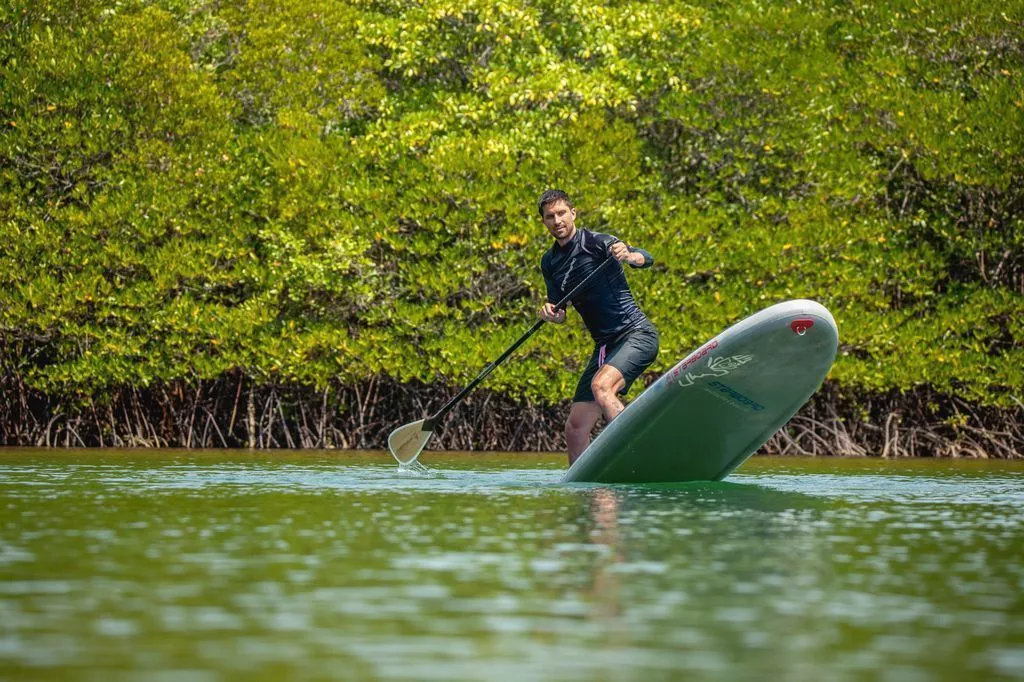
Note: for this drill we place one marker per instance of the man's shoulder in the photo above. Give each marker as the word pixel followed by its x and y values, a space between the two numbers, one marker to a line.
pixel 545 260
pixel 597 241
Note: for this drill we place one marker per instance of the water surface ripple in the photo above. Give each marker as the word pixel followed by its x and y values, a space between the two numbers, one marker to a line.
pixel 312 566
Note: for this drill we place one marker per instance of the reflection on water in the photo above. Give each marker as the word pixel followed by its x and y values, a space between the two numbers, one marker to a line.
pixel 310 566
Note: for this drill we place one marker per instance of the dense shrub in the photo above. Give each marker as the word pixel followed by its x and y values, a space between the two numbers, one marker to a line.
pixel 317 192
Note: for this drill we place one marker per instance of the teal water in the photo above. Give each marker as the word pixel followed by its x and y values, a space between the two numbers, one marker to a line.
pixel 336 566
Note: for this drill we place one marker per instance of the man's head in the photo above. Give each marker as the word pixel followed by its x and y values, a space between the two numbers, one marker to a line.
pixel 558 214
pixel 551 196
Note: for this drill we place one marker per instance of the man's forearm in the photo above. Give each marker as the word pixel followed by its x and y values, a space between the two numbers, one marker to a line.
pixel 639 258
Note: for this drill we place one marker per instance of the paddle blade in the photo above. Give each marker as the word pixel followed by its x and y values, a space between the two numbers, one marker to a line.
pixel 407 442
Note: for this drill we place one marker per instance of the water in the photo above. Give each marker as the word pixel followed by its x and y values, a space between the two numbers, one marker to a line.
pixel 311 566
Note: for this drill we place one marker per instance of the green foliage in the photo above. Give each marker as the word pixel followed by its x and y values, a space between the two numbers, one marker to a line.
pixel 309 190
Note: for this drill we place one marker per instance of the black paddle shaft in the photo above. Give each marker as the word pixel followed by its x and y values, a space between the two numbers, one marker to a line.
pixel 429 424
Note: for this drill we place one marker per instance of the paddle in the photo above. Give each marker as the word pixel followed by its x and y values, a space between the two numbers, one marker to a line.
pixel 407 442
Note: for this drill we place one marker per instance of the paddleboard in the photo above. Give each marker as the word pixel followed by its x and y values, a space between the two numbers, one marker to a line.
pixel 714 409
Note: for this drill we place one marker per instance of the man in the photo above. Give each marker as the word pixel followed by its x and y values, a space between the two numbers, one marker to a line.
pixel 625 341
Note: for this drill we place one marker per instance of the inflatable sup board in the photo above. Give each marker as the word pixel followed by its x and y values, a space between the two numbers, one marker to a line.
pixel 713 410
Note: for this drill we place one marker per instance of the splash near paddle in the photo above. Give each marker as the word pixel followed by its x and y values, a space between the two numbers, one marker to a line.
pixel 714 409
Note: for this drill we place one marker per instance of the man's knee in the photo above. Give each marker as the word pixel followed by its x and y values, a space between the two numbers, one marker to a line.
pixel 573 425
pixel 581 421
pixel 600 390
pixel 606 386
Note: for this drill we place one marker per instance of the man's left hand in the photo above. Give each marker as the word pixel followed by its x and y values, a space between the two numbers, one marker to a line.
pixel 620 252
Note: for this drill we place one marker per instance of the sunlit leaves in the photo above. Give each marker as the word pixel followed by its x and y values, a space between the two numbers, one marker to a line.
pixel 308 191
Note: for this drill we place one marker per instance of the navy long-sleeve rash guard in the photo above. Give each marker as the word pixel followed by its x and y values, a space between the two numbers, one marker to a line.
pixel 606 305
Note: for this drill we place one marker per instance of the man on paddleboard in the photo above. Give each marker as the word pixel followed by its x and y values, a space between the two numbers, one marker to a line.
pixel 625 341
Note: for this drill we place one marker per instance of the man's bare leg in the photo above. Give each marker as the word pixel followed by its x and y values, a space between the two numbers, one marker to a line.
pixel 606 386
pixel 578 427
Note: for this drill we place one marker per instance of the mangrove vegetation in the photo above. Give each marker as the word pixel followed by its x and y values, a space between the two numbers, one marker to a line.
pixel 300 223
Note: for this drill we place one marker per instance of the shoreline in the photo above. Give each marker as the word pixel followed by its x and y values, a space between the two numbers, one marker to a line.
pixel 232 413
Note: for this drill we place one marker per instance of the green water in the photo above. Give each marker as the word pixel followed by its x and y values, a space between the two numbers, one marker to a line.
pixel 212 566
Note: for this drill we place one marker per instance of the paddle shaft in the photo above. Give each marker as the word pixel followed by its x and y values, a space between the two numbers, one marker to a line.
pixel 429 424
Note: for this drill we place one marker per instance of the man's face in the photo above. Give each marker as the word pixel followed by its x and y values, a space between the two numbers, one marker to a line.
pixel 560 219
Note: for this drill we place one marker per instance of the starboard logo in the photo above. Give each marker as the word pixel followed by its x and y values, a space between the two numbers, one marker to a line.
pixel 732 396
pixel 692 360
pixel 717 367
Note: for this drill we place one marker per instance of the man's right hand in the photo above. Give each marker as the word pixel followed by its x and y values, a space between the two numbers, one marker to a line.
pixel 549 314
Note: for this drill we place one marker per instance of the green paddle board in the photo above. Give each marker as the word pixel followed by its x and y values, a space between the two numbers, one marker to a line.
pixel 714 409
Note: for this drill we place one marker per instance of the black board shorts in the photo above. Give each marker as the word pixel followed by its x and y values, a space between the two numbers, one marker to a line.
pixel 631 353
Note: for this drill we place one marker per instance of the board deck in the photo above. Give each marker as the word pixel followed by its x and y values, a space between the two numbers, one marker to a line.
pixel 714 409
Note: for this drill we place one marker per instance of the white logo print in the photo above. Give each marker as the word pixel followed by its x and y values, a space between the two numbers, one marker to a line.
pixel 717 367
pixel 568 272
